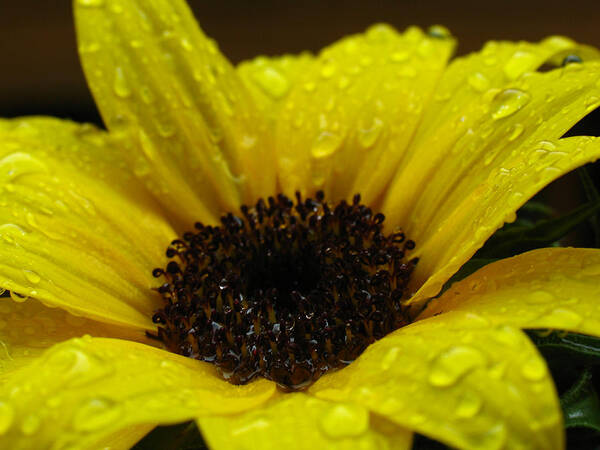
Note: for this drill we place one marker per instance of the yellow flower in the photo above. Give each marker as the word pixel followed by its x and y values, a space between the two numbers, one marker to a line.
pixel 448 151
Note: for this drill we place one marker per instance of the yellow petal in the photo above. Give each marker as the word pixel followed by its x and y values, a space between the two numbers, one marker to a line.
pixel 76 229
pixel 28 328
pixel 195 136
pixel 298 421
pixel 481 153
pixel 85 390
pixel 348 121
pixel 545 288
pixel 270 79
pixel 124 439
pixel 458 380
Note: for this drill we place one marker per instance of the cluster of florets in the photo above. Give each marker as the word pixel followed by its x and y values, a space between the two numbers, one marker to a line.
pixel 287 291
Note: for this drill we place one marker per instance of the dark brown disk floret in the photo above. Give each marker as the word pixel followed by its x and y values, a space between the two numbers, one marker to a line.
pixel 287 291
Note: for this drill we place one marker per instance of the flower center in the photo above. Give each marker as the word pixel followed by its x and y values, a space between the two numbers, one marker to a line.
pixel 288 291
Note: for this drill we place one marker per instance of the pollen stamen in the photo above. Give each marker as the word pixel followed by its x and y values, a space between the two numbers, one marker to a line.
pixel 287 291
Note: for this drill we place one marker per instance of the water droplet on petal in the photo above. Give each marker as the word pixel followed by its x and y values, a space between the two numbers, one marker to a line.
pixel 32 277
pixel 469 405
pixel 326 144
pixel 19 164
pixel 390 358
pixel 448 367
pixel 368 136
pixel 508 102
pixel 519 63
pixel 565 318
pixel 30 424
pixel 534 369
pixel 539 297
pixel 328 69
pixel 478 81
pixel 95 414
pixel 7 416
pixel 345 420
pixel 272 82
pixel 18 297
pixel 90 3
pixel 516 131
pixel 120 86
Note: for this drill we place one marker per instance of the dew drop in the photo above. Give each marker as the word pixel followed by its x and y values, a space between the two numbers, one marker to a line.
pixel 95 414
pixel 328 69
pixel 7 416
pixel 454 363
pixel 326 144
pixel 120 85
pixel 519 63
pixel 90 3
pixel 345 420
pixel 565 318
pixel 368 136
pixel 272 82
pixel 539 297
pixel 390 358
pixel 508 102
pixel 18 297
pixel 478 81
pixel 18 164
pixel 30 424
pixel 517 131
pixel 534 369
pixel 469 405
pixel 407 72
pixel 32 277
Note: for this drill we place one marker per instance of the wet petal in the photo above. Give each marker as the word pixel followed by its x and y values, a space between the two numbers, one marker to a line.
pixel 76 229
pixel 194 134
pixel 84 390
pixel 347 122
pixel 28 328
pixel 458 380
pixel 270 79
pixel 298 421
pixel 124 439
pixel 482 152
pixel 547 288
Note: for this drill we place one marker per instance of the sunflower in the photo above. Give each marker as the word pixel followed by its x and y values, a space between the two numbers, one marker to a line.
pixel 448 151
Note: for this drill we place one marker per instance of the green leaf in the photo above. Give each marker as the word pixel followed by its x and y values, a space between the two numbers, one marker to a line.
pixel 592 194
pixel 580 404
pixel 576 349
pixel 513 240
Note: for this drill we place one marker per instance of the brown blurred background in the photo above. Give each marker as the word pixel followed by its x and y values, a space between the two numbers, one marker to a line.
pixel 40 73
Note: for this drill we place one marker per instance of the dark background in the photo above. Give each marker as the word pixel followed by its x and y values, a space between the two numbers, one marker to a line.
pixel 40 73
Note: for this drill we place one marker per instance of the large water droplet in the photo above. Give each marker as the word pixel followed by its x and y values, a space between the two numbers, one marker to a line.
pixel 95 414
pixel 508 102
pixel 32 277
pixel 325 144
pixel 454 363
pixel 565 318
pixel 345 420
pixel 7 416
pixel 18 164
